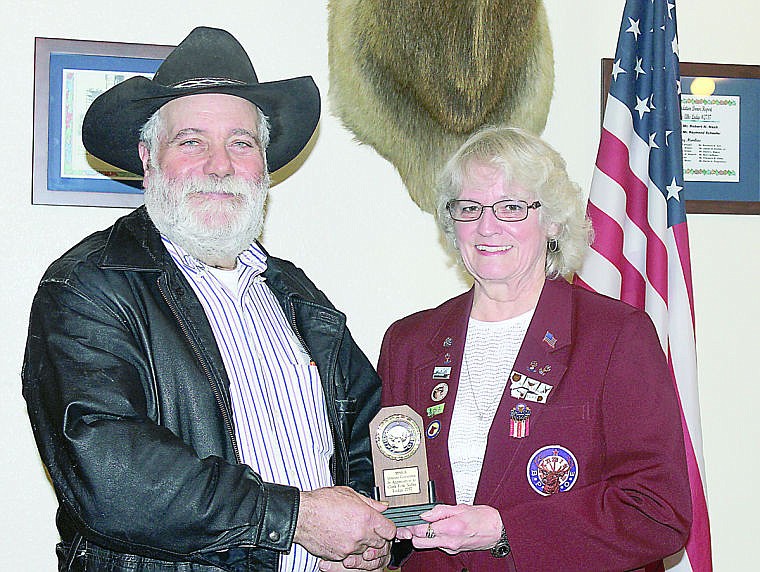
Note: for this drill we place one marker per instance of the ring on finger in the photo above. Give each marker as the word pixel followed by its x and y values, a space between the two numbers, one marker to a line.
pixel 430 533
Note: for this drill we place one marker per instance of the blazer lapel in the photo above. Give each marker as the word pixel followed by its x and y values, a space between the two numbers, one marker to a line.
pixel 543 358
pixel 437 388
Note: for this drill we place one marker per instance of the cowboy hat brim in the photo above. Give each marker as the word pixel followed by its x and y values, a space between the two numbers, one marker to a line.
pixel 111 128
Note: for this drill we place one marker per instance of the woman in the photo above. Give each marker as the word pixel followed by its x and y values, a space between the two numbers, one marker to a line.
pixel 554 435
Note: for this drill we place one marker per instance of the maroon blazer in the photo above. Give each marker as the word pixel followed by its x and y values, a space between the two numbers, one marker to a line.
pixel 612 405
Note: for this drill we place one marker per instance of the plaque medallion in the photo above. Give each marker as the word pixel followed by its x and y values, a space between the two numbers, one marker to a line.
pixel 398 437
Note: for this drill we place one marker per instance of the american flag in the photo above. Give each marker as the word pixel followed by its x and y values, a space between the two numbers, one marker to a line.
pixel 641 249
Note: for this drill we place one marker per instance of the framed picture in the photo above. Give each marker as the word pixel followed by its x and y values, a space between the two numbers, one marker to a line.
pixel 720 119
pixel 68 76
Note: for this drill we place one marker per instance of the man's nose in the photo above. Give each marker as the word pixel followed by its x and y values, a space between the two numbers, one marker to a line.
pixel 218 162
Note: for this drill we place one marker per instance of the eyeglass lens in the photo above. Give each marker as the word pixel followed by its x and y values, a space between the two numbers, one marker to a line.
pixel 507 210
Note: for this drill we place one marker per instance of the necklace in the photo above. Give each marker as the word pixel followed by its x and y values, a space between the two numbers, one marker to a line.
pixel 491 409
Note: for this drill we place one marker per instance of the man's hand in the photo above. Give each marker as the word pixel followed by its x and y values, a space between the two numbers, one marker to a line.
pixel 339 524
pixel 365 561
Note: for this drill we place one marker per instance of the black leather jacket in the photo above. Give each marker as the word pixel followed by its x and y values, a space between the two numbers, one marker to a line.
pixel 130 407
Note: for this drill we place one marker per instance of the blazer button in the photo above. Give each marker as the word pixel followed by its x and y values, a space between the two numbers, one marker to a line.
pixel 274 536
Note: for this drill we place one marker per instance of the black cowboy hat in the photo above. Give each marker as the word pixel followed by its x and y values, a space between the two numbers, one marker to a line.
pixel 209 60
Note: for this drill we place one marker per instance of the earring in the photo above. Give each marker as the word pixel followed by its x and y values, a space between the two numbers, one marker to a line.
pixel 552 245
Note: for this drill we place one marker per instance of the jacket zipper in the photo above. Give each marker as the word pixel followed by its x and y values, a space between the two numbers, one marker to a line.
pixel 214 386
pixel 329 398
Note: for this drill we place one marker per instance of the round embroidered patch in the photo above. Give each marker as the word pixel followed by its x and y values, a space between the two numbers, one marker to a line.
pixel 552 469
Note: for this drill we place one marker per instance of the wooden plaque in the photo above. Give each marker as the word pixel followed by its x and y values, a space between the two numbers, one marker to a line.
pixel 400 462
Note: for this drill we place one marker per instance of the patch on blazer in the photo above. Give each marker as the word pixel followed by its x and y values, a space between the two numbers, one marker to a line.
pixel 523 387
pixel 552 469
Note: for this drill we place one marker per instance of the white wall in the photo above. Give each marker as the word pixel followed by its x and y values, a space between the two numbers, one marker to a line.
pixel 346 219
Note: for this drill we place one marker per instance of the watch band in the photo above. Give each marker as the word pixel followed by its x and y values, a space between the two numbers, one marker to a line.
pixel 502 548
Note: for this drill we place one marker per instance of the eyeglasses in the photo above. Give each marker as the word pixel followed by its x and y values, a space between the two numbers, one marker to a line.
pixel 507 211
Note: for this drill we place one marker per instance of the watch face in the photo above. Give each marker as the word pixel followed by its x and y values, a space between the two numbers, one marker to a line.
pixel 501 549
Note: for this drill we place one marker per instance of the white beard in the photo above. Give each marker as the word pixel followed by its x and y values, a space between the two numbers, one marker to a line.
pixel 213 231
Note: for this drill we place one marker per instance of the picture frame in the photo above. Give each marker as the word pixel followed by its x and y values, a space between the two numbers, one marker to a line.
pixel 721 136
pixel 68 75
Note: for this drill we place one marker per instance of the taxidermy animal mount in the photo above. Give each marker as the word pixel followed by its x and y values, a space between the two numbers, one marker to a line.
pixel 414 78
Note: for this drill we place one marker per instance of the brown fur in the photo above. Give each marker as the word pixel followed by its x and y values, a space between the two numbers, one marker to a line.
pixel 413 78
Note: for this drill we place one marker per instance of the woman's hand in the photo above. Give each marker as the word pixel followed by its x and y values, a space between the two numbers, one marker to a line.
pixel 456 529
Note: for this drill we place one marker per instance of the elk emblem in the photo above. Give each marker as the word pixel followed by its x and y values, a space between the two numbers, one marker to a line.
pixel 552 469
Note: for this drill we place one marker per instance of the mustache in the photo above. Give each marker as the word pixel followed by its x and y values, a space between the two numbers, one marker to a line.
pixel 233 186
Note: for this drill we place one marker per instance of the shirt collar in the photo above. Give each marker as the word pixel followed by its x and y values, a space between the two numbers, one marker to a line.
pixel 253 258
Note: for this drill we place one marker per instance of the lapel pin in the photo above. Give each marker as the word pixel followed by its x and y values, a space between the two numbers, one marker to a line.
pixel 435 410
pixel 439 391
pixel 442 372
pixel 550 339
pixel 519 422
pixel 433 429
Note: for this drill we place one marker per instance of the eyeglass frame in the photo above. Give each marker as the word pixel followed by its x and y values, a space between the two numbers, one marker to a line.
pixel 534 205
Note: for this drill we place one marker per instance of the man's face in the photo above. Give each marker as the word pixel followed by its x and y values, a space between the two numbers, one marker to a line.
pixel 206 181
pixel 207 137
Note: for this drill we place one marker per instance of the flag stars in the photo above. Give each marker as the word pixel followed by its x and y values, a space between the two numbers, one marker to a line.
pixel 674 190
pixel 652 143
pixel 671 7
pixel 642 107
pixel 634 28
pixel 674 45
pixel 639 70
pixel 667 134
pixel 617 69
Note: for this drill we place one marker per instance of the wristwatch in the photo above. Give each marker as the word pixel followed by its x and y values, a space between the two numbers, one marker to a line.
pixel 501 549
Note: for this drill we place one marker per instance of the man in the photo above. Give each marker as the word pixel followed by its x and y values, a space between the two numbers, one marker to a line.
pixel 196 401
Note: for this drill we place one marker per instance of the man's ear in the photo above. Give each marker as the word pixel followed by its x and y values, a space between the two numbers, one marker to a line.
pixel 144 152
pixel 142 149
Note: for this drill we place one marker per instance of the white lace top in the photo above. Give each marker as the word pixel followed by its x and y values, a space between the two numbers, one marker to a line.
pixel 489 354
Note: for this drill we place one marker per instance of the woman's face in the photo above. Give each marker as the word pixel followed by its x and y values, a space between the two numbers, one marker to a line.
pixel 495 251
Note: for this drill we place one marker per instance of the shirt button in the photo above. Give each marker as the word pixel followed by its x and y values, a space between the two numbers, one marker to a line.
pixel 274 536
